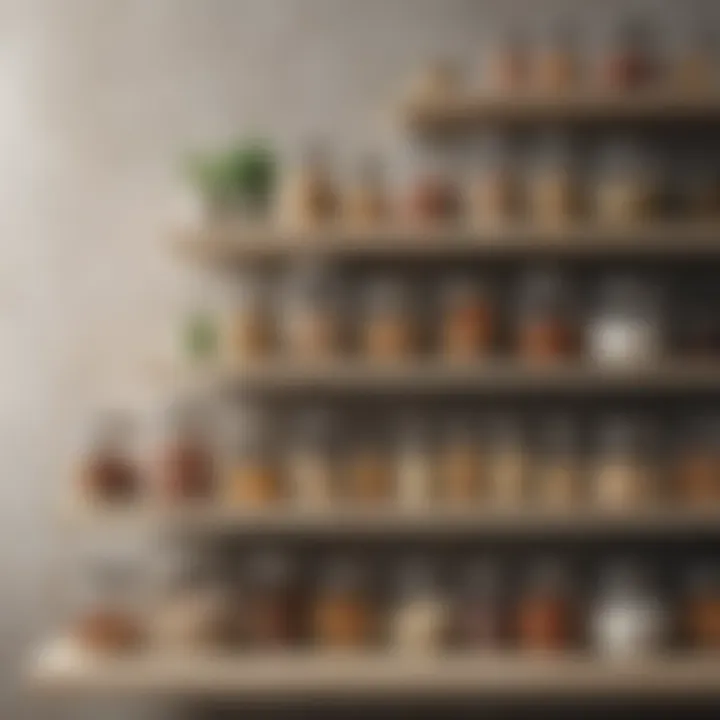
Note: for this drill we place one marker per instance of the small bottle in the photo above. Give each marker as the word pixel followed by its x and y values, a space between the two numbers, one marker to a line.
pixel 507 463
pixel 557 472
pixel 479 618
pixel 415 466
pixel 461 470
pixel 388 327
pixel 700 616
pixel 696 467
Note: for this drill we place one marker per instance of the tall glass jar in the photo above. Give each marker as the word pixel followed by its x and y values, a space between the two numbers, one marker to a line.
pixel 624 475
pixel 507 462
pixel 461 462
pixel 369 476
pixel 388 327
pixel 700 615
pixel 557 473
pixel 696 470
pixel 416 465
pixel 554 191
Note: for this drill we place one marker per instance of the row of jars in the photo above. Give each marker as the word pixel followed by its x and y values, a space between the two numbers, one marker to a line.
pixel 345 602
pixel 556 62
pixel 627 185
pixel 312 314
pixel 493 461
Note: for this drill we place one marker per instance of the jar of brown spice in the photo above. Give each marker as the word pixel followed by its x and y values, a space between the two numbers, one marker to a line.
pixel 468 322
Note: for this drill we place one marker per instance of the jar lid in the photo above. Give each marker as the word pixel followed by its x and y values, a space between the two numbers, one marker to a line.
pixel 417 576
pixel 481 578
pixel 387 294
pixel 624 434
pixel 549 575
pixel 625 576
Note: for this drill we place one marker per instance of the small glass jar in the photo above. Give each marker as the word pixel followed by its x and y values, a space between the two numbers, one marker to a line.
pixel 109 619
pixel 697 66
pixel 627 620
pixel 546 610
pixel 344 616
pixel 248 332
pixel 625 329
pixel 556 69
pixel 468 319
pixel 700 616
pixel 416 466
pixel 479 612
pixel 369 473
pixel 697 462
pixel 702 190
pixel 631 63
pixel 109 469
pixel 311 463
pixel 388 326
pixel 494 195
pixel 624 475
pixel 557 474
pixel 461 467
pixel 311 317
pixel 252 476
pixel 420 620
pixel 508 63
pixel 507 463
pixel 309 196
pixel 553 188
pixel 367 202
pixel 187 467
pixel 699 331
pixel 546 328
pixel 433 198
pixel 272 603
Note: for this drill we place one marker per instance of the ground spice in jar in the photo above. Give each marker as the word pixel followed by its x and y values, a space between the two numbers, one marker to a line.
pixel 367 202
pixel 697 463
pixel 630 65
pixel 369 470
pixel 249 327
pixel 508 64
pixel 461 477
pixel 415 466
pixel 554 190
pixel 388 331
pixel 701 608
pixel 468 323
pixel 557 472
pixel 507 463
pixel 557 67
pixel 494 195
pixel 433 199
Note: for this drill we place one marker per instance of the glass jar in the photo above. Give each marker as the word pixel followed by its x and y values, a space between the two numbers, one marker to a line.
pixel 433 198
pixel 248 332
pixel 623 476
pixel 388 326
pixel 252 477
pixel 631 63
pixel 556 68
pixel 696 67
pixel 468 322
pixel 508 63
pixel 699 331
pixel 546 328
pixel 479 617
pixel 109 469
pixel 420 620
pixel 626 327
pixel 416 465
pixel 494 194
pixel 343 610
pixel 700 617
pixel 367 202
pixel 546 611
pixel 369 476
pixel 272 603
pixel 309 196
pixel 311 466
pixel 553 187
pixel 697 462
pixel 558 468
pixel 628 619
pixel 187 469
pixel 461 470
pixel 311 319
pixel 702 191
pixel 507 462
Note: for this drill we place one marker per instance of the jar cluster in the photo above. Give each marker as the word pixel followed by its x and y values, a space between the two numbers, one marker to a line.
pixel 313 313
pixel 411 604
pixel 317 459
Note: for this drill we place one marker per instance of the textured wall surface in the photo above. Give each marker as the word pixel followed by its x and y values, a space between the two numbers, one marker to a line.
pixel 97 100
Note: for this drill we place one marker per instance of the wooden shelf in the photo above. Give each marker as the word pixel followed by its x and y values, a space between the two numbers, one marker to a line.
pixel 60 667
pixel 235 242
pixel 590 108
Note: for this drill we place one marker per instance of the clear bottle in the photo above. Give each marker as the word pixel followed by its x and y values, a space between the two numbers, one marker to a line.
pixel 461 463
pixel 696 467
pixel 507 463
pixel 624 474
pixel 554 194
pixel 388 326
pixel 415 465
pixel 479 619
pixel 626 326
pixel 557 475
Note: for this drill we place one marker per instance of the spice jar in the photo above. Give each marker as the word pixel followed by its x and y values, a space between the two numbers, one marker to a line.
pixel 437 82
pixel 556 68
pixel 461 476
pixel 309 196
pixel 507 462
pixel 699 324
pixel 248 332
pixel 344 616
pixel 416 465
pixel 546 329
pixel 311 319
pixel 109 618
pixel 479 618
pixel 311 463
pixel 508 63
pixel 388 328
pixel 187 465
pixel 468 322
pixel 367 201
pixel 557 472
pixel 369 474
pixel 700 615
pixel 697 462
pixel 252 478
pixel 628 619
pixel 420 620
pixel 702 193
pixel 433 198
pixel 553 191
pixel 696 67
pixel 626 326
pixel 109 471
pixel 494 193
pixel 623 475
pixel 546 611
pixel 631 64
pixel 272 602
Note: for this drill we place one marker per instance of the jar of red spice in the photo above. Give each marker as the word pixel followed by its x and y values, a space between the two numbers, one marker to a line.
pixel 632 62
pixel 468 323
pixel 433 198
pixel 479 612
pixel 700 618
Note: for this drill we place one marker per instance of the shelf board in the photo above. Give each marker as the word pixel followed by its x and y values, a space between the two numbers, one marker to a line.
pixel 387 522
pixel 588 108
pixel 234 241
pixel 60 667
